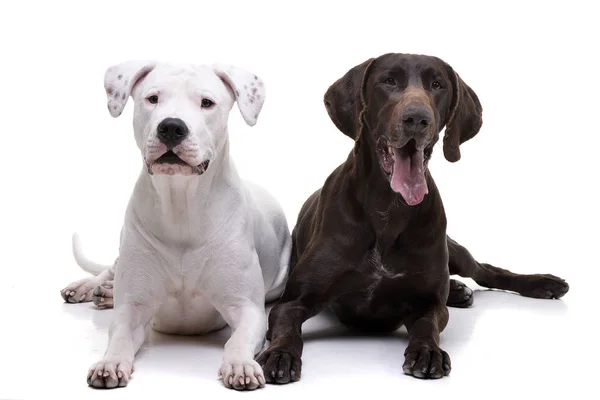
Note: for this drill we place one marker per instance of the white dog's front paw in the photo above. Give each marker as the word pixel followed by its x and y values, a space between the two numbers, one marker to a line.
pixel 79 291
pixel 108 374
pixel 242 375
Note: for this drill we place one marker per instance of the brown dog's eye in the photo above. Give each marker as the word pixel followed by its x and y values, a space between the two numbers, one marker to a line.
pixel 207 103
pixel 152 99
pixel 390 82
pixel 436 85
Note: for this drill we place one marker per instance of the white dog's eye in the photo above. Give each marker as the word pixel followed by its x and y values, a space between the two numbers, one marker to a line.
pixel 207 103
pixel 152 99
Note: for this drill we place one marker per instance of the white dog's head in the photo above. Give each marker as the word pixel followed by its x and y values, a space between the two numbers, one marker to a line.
pixel 181 111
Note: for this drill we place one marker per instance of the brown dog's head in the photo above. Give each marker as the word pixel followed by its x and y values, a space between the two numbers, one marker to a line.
pixel 400 103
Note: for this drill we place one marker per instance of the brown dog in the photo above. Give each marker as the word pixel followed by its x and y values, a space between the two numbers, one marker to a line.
pixel 371 243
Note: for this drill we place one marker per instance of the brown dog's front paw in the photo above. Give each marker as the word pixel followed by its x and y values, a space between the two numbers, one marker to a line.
pixel 280 366
pixel 545 287
pixel 426 362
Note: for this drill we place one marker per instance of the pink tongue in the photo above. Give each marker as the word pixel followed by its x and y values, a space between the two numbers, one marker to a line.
pixel 408 177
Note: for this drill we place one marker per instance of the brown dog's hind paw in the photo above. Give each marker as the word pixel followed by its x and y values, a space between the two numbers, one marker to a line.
pixel 544 286
pixel 280 367
pixel 460 295
pixel 426 362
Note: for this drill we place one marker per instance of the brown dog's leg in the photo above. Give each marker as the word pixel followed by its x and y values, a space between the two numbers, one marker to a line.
pixel 544 286
pixel 423 357
pixel 312 285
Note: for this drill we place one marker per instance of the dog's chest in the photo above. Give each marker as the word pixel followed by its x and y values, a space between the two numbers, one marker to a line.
pixel 185 305
pixel 379 293
pixel 380 269
pixel 378 272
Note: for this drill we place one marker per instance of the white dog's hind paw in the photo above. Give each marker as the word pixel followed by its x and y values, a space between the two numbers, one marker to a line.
pixel 78 292
pixel 107 374
pixel 242 375
pixel 103 295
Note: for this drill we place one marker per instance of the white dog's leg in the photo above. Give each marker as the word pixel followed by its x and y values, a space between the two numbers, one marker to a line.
pixel 245 314
pixel 249 325
pixel 82 290
pixel 135 304
pixel 126 336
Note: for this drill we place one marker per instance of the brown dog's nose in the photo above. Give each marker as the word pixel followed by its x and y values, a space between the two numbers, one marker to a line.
pixel 415 119
pixel 172 131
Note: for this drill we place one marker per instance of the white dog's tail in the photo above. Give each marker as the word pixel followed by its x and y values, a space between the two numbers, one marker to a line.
pixel 85 263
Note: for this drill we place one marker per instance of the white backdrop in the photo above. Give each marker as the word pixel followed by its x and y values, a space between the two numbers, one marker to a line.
pixel 524 195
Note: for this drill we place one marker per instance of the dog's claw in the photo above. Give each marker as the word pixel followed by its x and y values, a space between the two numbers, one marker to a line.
pixel 280 366
pixel 108 375
pixel 426 362
pixel 246 375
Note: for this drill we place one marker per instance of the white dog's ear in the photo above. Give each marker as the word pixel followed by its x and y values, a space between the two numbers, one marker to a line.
pixel 119 81
pixel 249 90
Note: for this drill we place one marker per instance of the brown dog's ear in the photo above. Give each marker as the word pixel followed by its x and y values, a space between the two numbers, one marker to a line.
pixel 343 100
pixel 465 117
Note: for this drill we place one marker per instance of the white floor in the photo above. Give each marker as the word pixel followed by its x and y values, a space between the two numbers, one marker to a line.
pixel 540 346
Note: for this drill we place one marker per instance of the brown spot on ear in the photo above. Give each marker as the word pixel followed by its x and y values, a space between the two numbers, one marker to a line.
pixel 256 116
pixel 120 76
pixel 115 107
pixel 252 101
pixel 109 90
pixel 255 77
pixel 237 93
pixel 117 94
pixel 254 90
pixel 123 97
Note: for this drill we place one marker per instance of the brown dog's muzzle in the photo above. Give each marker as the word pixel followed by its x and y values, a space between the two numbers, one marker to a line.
pixel 404 154
pixel 413 118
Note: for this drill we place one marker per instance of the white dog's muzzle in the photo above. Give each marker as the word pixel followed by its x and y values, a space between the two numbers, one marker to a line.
pixel 171 152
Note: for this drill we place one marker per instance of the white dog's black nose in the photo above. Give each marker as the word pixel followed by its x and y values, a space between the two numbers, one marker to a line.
pixel 172 131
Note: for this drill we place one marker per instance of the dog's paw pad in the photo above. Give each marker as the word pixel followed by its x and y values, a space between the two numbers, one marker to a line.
pixel 108 375
pixel 244 375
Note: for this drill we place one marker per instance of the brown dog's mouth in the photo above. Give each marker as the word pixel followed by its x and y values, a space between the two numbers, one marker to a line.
pixel 171 164
pixel 405 168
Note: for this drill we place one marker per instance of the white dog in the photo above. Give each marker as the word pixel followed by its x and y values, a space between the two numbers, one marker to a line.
pixel 199 247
